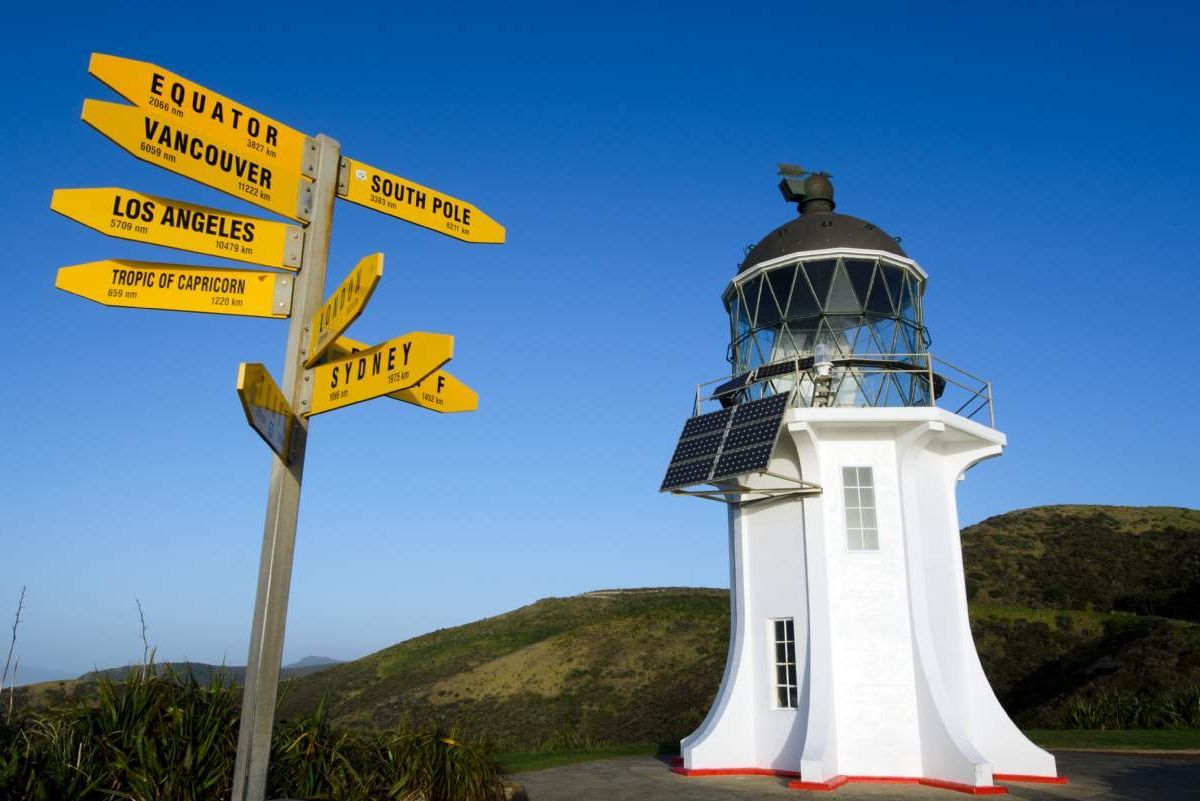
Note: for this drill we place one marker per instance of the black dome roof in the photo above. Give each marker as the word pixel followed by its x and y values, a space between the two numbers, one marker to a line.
pixel 818 230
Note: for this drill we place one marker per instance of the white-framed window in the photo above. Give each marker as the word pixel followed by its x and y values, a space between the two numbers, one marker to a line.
pixel 785 663
pixel 858 490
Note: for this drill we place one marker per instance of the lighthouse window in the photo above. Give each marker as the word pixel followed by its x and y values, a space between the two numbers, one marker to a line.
pixel 862 528
pixel 785 663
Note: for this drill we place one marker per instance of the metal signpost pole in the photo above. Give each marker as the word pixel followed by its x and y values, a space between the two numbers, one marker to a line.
pixel 283 501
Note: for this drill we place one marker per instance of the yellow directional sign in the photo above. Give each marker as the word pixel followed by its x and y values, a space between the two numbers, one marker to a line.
pixel 218 118
pixel 175 224
pixel 389 367
pixel 367 186
pixel 159 139
pixel 268 412
pixel 343 306
pixel 438 391
pixel 148 285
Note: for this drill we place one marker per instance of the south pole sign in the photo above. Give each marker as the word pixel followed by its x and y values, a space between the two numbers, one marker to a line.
pixel 405 200
pixel 196 133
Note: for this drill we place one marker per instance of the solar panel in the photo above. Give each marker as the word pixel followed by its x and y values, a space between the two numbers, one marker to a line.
pixel 767 407
pixel 743 461
pixel 722 444
pixel 783 368
pixel 680 475
pixel 737 382
pixel 706 445
pixel 713 421
pixel 755 433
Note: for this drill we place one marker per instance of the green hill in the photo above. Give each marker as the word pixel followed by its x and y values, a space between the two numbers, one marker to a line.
pixel 1144 560
pixel 606 666
pixel 1081 615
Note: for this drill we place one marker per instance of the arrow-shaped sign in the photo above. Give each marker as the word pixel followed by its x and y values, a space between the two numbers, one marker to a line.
pixel 343 307
pixel 394 365
pixel 174 224
pixel 202 110
pixel 159 139
pixel 439 391
pixel 149 285
pixel 268 412
pixel 399 197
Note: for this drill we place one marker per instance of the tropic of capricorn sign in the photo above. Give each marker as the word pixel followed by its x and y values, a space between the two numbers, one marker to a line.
pixel 196 133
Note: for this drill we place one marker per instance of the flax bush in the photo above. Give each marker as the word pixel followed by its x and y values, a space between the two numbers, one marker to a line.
pixel 166 737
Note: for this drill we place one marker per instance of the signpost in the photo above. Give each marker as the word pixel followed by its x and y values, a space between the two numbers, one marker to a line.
pixel 158 139
pixel 268 411
pixel 343 306
pixel 199 134
pixel 149 285
pixel 394 365
pixel 283 505
pixel 153 220
pixel 401 198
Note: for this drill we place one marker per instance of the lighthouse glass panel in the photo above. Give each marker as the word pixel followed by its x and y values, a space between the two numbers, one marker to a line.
pixel 858 492
pixel 785 663
pixel 863 314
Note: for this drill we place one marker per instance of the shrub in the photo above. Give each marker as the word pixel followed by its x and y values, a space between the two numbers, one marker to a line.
pixel 169 738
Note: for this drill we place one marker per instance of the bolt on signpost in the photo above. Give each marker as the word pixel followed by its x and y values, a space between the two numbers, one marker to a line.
pixel 194 132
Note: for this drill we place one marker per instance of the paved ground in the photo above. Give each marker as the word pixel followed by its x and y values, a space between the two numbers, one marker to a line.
pixel 1093 777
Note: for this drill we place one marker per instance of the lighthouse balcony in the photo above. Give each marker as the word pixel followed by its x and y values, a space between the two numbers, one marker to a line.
pixel 856 380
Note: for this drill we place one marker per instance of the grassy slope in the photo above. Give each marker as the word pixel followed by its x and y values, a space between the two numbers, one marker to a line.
pixel 642 666
pixel 1135 559
pixel 1040 662
pixel 627 666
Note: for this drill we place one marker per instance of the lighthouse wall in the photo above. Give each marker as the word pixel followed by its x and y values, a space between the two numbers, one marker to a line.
pixel 746 727
pixel 871 671
pixel 890 682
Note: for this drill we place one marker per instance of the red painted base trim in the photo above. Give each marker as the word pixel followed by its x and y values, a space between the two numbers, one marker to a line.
pixel 1020 777
pixel 785 774
pixel 832 784
pixel 838 781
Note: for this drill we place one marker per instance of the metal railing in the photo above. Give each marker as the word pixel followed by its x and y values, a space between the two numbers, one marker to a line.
pixel 858 380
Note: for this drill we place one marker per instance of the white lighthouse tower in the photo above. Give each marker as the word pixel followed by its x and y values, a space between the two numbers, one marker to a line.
pixel 837 444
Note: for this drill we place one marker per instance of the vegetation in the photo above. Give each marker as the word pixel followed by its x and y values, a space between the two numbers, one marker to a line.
pixel 169 738
pixel 1086 618
pixel 1143 560
pixel 1068 638
pixel 1117 739
pixel 606 667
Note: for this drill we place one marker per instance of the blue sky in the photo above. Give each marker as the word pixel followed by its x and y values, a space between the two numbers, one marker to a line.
pixel 1039 161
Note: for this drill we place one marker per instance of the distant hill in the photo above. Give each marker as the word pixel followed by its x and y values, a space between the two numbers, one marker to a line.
pixel 1061 598
pixel 63 691
pixel 204 672
pixel 1144 560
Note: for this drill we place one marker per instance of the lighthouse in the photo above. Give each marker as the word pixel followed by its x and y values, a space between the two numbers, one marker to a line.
pixel 836 443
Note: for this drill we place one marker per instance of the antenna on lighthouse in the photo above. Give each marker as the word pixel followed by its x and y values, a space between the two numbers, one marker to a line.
pixel 811 191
